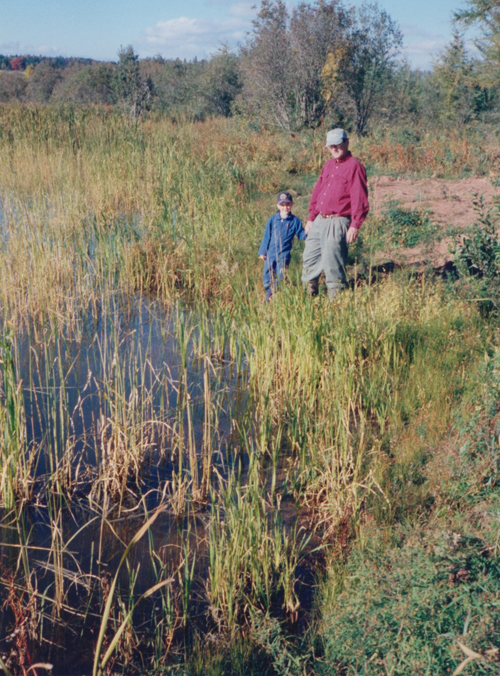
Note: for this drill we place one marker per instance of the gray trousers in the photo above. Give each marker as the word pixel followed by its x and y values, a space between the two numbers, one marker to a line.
pixel 326 251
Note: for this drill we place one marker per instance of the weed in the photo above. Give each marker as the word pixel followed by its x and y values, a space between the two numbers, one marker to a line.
pixel 408 227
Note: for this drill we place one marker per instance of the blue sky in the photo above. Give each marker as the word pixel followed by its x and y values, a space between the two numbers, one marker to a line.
pixel 97 28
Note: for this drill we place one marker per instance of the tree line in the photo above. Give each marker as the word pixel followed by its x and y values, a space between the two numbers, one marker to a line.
pixel 320 62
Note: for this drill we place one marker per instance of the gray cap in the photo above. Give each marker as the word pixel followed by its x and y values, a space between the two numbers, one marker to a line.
pixel 335 137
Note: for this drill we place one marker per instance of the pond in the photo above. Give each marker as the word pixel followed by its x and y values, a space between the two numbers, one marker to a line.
pixel 137 412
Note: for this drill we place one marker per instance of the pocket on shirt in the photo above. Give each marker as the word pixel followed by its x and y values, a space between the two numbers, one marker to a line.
pixel 340 187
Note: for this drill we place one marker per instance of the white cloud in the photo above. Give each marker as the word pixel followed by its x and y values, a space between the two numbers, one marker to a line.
pixel 25 48
pixel 411 30
pixel 187 37
pixel 421 46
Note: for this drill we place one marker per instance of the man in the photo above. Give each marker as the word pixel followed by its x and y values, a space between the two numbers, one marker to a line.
pixel 338 207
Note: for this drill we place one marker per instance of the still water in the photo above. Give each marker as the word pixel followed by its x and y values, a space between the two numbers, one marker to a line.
pixel 160 382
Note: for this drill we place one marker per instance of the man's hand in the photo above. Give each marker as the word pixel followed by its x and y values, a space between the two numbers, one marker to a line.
pixel 308 226
pixel 262 257
pixel 352 235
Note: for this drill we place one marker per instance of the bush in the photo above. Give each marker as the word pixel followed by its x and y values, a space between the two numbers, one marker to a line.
pixel 479 251
pixel 477 257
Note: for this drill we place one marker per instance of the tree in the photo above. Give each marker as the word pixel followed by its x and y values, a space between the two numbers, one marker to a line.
pixel 88 84
pixel 455 81
pixel 295 67
pixel 282 62
pixel 17 63
pixel 42 83
pixel 486 15
pixel 179 86
pixel 133 93
pixel 12 86
pixel 405 98
pixel 222 82
pixel 357 75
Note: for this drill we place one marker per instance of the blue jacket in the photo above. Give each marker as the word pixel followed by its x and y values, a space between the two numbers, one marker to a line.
pixel 278 237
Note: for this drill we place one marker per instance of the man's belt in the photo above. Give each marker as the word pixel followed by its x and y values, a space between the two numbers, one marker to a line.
pixel 333 216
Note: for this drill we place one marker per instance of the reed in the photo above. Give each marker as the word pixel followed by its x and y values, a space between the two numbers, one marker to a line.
pixel 100 662
pixel 15 460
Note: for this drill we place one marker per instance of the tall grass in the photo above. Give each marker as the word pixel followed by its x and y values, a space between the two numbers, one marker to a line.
pixel 155 375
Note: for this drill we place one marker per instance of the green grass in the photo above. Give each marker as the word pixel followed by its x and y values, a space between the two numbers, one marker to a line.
pixel 407 605
pixel 408 227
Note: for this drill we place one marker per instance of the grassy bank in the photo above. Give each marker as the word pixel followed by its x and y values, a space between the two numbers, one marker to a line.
pixel 194 481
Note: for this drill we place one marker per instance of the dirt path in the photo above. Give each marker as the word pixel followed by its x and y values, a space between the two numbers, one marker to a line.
pixel 450 203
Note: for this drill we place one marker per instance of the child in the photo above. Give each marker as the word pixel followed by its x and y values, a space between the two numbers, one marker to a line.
pixel 276 246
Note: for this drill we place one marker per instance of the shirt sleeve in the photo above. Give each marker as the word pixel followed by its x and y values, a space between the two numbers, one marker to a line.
pixel 299 230
pixel 359 196
pixel 313 210
pixel 266 240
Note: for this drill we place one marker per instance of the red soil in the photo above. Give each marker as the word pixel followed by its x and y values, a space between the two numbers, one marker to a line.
pixel 450 202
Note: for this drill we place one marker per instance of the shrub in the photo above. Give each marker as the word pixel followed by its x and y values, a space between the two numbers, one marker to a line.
pixel 477 257
pixel 479 251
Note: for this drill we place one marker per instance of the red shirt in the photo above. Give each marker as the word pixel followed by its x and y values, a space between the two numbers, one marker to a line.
pixel 342 190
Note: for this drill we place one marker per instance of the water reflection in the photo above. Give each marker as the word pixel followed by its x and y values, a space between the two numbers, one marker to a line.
pixel 127 362
pixel 167 391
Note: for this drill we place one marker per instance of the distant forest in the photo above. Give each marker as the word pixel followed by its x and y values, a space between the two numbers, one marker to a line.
pixel 317 63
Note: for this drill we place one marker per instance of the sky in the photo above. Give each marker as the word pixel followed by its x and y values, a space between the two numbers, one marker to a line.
pixel 178 28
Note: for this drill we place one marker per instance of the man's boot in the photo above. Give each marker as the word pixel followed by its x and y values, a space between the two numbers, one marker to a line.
pixel 312 289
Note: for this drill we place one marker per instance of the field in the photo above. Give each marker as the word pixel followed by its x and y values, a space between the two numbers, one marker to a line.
pixel 196 482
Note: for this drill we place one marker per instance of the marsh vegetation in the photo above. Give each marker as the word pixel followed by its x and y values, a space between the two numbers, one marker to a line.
pixel 194 482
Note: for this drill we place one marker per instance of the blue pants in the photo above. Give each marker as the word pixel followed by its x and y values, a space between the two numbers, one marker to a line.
pixel 274 272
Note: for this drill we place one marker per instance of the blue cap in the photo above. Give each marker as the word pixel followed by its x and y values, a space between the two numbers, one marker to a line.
pixel 284 197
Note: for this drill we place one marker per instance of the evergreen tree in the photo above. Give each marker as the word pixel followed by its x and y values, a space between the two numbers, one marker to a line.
pixel 133 93
pixel 485 14
pixel 454 78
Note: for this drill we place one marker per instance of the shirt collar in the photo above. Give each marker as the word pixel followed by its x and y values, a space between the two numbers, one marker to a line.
pixel 344 159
